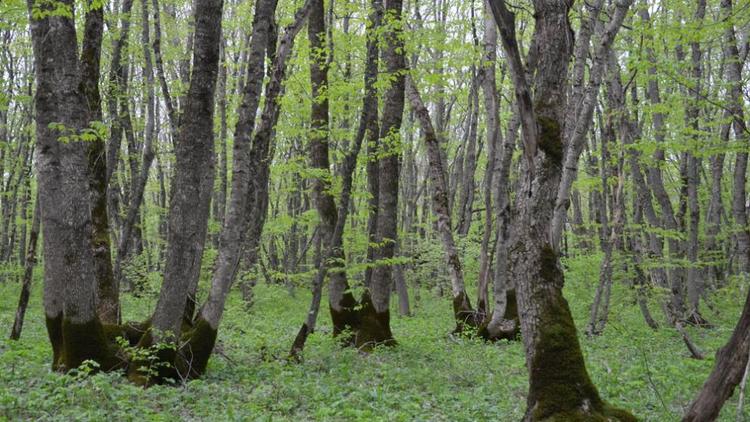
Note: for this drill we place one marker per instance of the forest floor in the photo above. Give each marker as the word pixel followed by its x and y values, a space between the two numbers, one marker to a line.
pixel 430 375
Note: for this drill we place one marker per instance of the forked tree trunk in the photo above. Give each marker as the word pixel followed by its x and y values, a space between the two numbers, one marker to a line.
pixel 235 222
pixel 343 305
pixel 375 325
pixel 194 172
pixel 559 383
pixel 73 325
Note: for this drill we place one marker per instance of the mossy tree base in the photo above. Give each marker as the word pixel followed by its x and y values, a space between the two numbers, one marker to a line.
pixel 465 315
pixel 165 364
pixel 374 327
pixel 346 318
pixel 510 326
pixel 559 386
pixel 606 414
pixel 360 325
pixel 74 344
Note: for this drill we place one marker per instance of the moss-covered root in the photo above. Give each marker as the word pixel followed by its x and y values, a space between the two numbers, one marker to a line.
pixel 510 326
pixel 464 314
pixel 374 328
pixel 163 363
pixel 197 346
pixel 345 317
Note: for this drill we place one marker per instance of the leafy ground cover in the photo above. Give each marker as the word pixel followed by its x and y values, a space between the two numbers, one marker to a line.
pixel 430 375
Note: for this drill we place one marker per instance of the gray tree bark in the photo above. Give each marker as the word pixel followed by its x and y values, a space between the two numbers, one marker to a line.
pixel 462 310
pixel 194 173
pixel 377 329
pixel 108 294
pixel 547 326
pixel 70 281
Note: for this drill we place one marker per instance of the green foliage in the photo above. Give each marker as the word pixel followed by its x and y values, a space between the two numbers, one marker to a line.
pixel 429 375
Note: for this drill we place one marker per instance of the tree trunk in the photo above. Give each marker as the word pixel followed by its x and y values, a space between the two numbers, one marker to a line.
pixel 73 325
pixel 141 176
pixel 375 322
pixel 118 83
pixel 668 219
pixel 342 303
pixel 245 153
pixel 28 273
pixel 727 373
pixel 462 310
pixel 559 383
pixel 194 173
pixel 733 73
pixel 466 199
pixel 494 144
pixel 108 294
pixel 695 284
pixel 220 200
pixel 582 105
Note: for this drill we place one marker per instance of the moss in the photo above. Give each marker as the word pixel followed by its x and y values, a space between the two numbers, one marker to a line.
pixel 559 382
pixel 198 344
pixel 54 331
pixel 511 307
pixel 560 388
pixel 550 139
pixel 134 330
pixel 131 331
pixel 464 314
pixel 156 366
pixel 374 328
pixel 87 341
pixel 347 319
pixel 611 413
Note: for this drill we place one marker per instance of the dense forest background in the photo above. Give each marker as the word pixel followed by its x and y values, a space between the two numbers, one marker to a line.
pixel 242 205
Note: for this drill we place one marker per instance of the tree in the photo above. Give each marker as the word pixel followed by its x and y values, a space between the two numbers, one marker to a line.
pixel 62 119
pixel 559 385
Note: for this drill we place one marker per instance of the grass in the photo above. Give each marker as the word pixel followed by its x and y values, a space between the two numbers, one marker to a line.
pixel 428 376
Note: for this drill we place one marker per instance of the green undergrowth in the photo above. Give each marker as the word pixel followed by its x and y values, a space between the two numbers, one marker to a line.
pixel 430 375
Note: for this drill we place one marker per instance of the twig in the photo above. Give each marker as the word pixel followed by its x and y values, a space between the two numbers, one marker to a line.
pixel 741 399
